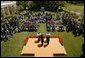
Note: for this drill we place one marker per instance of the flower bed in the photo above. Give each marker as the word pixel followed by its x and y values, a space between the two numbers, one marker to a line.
pixel 35 36
pixel 26 40
pixel 60 40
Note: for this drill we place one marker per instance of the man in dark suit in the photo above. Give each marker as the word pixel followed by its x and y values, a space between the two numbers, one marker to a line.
pixel 39 37
pixel 48 38
pixel 42 39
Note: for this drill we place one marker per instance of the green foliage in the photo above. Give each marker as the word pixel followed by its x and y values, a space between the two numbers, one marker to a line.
pixel 49 5
pixel 36 5
pixel 22 5
pixel 76 2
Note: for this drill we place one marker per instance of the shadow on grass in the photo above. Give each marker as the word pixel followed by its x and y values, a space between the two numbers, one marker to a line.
pixel 82 55
pixel 5 40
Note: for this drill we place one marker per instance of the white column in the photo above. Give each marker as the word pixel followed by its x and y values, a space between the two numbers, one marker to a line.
pixel 8 12
pixel 3 11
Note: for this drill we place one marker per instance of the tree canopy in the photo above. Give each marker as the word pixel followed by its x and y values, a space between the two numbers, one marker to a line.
pixel 49 5
pixel 36 5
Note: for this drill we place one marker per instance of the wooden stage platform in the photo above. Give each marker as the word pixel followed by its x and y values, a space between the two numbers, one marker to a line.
pixel 54 48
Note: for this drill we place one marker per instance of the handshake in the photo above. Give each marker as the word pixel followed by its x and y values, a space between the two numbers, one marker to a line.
pixel 41 39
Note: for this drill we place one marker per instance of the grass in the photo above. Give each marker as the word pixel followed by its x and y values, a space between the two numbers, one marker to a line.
pixel 13 47
pixel 76 8
pixel 42 28
pixel 73 45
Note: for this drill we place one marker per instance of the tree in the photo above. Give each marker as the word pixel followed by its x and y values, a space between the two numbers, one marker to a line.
pixel 49 5
pixel 21 5
pixel 36 5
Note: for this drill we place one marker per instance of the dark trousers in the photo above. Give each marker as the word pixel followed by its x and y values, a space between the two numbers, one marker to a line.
pixel 39 38
pixel 48 39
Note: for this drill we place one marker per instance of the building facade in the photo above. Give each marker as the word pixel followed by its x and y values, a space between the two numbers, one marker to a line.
pixel 8 8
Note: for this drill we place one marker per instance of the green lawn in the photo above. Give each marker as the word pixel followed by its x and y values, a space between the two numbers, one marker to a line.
pixel 73 45
pixel 13 47
pixel 76 8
